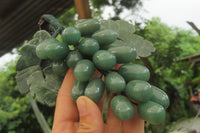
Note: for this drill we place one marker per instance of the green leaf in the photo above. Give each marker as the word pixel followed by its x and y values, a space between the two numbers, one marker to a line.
pixel 45 89
pixel 41 35
pixel 143 47
pixel 22 76
pixel 126 36
pixel 34 41
pixel 28 57
pixel 120 26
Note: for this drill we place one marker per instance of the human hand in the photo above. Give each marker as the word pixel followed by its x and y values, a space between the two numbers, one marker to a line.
pixel 85 116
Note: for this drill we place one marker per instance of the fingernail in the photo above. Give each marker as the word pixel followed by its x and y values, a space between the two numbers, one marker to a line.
pixel 82 107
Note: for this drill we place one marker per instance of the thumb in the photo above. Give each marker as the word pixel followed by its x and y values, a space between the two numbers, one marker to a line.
pixel 90 116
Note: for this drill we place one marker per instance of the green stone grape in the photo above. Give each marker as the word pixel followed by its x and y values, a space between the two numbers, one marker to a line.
pixel 78 89
pixel 152 112
pixel 134 72
pixel 105 36
pixel 122 108
pixel 104 60
pixel 84 70
pixel 87 26
pixel 72 58
pixel 139 90
pixel 60 68
pixel 124 54
pixel 159 96
pixel 71 35
pixel 95 89
pixel 88 46
pixel 115 82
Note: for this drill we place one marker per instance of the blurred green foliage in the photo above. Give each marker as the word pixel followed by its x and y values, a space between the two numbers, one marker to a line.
pixel 16 115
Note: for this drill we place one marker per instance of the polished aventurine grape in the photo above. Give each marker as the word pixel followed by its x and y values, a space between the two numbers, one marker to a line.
pixel 122 108
pixel 71 35
pixel 88 46
pixel 52 49
pixel 159 96
pixel 78 89
pixel 72 58
pixel 59 68
pixel 115 82
pixel 104 60
pixel 105 36
pixel 152 112
pixel 134 72
pixel 88 26
pixel 139 90
pixel 106 47
pixel 84 70
pixel 95 89
pixel 124 54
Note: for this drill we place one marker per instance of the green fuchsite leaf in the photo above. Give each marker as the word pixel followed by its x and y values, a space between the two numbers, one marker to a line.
pixel 134 72
pixel 88 46
pixel 144 48
pixel 78 89
pixel 45 89
pixel 41 35
pixel 126 35
pixel 105 36
pixel 122 27
pixel 22 76
pixel 115 82
pixel 34 41
pixel 104 60
pixel 59 68
pixel 52 49
pixel 71 35
pixel 28 57
pixel 87 26
pixel 122 108
pixel 124 54
pixel 95 89
pixel 139 90
pixel 152 112
pixel 114 44
pixel 159 96
pixel 84 70
pixel 72 58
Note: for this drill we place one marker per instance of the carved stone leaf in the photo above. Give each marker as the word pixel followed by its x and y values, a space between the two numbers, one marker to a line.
pixel 143 47
pixel 126 36
pixel 22 76
pixel 45 89
pixel 120 26
pixel 41 35
pixel 28 57
pixel 34 41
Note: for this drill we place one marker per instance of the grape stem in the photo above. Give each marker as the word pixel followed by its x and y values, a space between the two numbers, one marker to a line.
pixel 105 105
pixel 114 70
pixel 101 76
pixel 103 72
pixel 134 103
pixel 48 21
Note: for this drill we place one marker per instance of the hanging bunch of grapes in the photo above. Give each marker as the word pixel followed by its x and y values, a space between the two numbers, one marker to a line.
pixel 91 46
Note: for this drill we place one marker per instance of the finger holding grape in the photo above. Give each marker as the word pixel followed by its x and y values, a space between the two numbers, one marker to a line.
pixel 86 116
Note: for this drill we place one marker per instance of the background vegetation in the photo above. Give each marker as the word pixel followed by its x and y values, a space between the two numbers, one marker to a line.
pixel 168 73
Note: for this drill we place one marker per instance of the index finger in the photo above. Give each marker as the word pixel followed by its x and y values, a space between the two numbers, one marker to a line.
pixel 66 112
